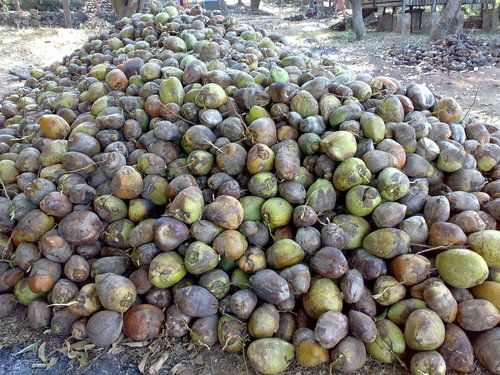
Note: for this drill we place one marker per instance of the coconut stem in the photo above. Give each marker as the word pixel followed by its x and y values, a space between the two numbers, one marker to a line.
pixel 195 335
pixel 229 338
pixel 443 247
pixel 175 114
pixel 237 114
pixel 4 188
pixel 83 168
pixel 64 304
pixel 340 357
pixel 211 144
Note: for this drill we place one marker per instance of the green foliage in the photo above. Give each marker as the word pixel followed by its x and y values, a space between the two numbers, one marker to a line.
pixel 471 9
pixel 4 5
pixel 350 36
pixel 41 5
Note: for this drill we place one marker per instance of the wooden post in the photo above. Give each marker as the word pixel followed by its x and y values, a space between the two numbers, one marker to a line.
pixel 433 9
pixel 403 10
pixel 411 18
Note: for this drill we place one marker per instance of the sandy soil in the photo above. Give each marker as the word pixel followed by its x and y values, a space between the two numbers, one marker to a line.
pixel 24 48
pixel 21 49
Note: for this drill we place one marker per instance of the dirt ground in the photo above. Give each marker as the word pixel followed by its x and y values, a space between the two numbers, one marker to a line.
pixel 21 49
pixel 172 357
pixel 39 47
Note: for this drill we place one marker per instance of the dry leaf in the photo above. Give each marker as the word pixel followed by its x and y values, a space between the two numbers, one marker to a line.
pixel 83 359
pixel 178 368
pixel 88 347
pixel 142 364
pixel 117 350
pixel 72 354
pixel 81 344
pixel 41 352
pixel 29 348
pixel 65 348
pixel 156 367
pixel 116 344
pixel 52 363
pixel 135 344
pixel 39 365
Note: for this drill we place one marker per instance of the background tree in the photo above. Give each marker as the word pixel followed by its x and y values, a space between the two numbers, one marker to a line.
pixel 17 6
pixel 125 8
pixel 447 16
pixel 357 19
pixel 254 4
pixel 67 14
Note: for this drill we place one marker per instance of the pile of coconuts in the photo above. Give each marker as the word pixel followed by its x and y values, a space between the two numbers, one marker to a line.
pixel 460 52
pixel 186 175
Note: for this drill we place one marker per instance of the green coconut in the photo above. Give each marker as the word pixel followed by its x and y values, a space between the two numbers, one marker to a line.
pixel 323 295
pixel 387 243
pixel 166 269
pixel 461 268
pixel 373 126
pixel 355 227
pixel 276 212
pixel 172 91
pixel 392 184
pixel 390 343
pixel 486 243
pixel 270 355
pixel 424 330
pixel 304 104
pixel 339 145
pixel 361 200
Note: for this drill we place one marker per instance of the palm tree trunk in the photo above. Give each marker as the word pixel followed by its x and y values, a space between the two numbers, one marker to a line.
pixel 444 23
pixel 357 19
pixel 67 14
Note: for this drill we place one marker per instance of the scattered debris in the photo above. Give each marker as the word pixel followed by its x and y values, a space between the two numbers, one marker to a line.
pixel 30 348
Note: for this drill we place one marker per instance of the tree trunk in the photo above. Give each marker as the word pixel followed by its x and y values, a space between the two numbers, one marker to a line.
pixel 17 6
pixel 125 8
pixel 67 14
pixel 357 19
pixel 254 4
pixel 141 6
pixel 447 16
pixel 132 7
pixel 223 7
pixel 119 6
